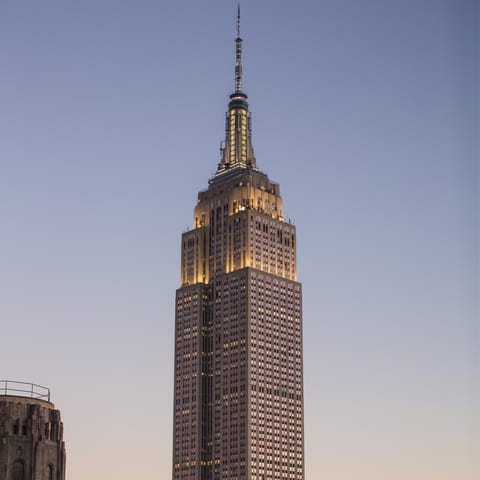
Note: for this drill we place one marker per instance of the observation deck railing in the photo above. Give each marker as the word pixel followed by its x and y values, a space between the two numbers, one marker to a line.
pixel 24 389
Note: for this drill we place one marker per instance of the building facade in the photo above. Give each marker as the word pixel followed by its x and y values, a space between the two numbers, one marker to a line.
pixel 31 434
pixel 238 393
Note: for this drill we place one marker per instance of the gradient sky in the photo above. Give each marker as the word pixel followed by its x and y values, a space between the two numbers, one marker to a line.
pixel 365 112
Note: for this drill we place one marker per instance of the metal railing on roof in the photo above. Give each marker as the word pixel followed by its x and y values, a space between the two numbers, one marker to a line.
pixel 24 389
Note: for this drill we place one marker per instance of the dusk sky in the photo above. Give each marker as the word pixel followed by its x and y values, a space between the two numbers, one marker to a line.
pixel 365 112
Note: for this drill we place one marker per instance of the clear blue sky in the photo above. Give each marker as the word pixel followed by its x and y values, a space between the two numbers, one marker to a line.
pixel 365 112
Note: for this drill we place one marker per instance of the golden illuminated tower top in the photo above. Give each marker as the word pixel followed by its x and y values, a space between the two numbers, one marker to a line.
pixel 237 151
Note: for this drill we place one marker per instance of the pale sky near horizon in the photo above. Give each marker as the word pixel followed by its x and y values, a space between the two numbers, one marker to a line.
pixel 365 112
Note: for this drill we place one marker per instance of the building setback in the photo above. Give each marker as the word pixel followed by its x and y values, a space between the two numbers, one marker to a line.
pixel 238 393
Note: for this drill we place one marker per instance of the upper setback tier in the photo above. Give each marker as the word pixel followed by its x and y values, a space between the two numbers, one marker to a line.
pixel 238 223
pixel 237 190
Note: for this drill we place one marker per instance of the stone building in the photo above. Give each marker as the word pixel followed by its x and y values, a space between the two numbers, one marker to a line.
pixel 31 434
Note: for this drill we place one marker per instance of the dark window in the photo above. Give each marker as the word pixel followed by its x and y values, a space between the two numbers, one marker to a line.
pixel 18 470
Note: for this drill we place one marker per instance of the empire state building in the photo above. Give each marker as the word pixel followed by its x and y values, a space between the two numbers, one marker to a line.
pixel 238 393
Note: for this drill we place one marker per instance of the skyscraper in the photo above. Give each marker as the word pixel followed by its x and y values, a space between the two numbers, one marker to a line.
pixel 238 393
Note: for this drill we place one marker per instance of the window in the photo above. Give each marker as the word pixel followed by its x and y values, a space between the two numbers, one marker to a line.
pixel 50 472
pixel 18 470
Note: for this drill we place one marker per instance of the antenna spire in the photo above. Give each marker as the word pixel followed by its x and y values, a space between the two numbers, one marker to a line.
pixel 238 59
pixel 237 150
pixel 238 21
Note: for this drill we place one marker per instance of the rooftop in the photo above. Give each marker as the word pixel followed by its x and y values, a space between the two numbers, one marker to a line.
pixel 24 389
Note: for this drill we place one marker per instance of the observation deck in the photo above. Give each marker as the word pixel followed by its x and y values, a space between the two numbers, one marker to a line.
pixel 24 389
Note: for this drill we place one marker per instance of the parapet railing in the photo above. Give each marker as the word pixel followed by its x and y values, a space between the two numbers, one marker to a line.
pixel 24 389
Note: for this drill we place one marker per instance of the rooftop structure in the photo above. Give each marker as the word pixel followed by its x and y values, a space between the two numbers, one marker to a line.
pixel 24 389
pixel 31 433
